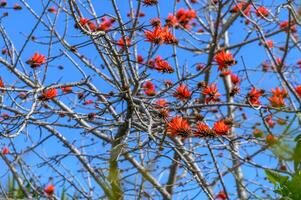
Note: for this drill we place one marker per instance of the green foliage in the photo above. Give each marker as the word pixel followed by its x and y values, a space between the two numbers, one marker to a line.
pixel 288 186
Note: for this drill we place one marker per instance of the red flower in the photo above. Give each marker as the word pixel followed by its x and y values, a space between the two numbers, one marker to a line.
pixel 155 22
pixel 279 93
pixel 122 44
pixel 212 93
pixel 253 96
pixel 171 20
pixel 2 84
pixel 285 25
pixel 162 65
pixel 49 190
pixel 235 79
pixel 149 88
pixel 237 8
pixel 224 59
pixel 277 101
pixel 155 36
pixel 17 7
pixel 269 43
pixel 49 94
pixel 88 102
pixel 203 130
pixel 36 60
pixel 139 59
pixel 257 133
pixel 271 139
pixel 83 21
pixel 150 2
pixel 106 24
pixel 262 12
pixel 178 127
pixel 66 89
pixel 221 195
pixel 269 121
pixel 298 90
pixel 182 93
pixel 5 151
pixel 52 10
pixel 220 128
pixel 161 103
pixel 185 16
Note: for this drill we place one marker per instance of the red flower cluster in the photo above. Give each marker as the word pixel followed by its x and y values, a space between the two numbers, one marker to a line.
pixel 5 151
pixel 36 60
pixel 221 128
pixel 221 195
pixel 240 6
pixel 106 24
pixel 277 100
pixel 2 84
pixel 284 25
pixel 160 35
pixel 49 190
pixel 161 65
pixel 212 93
pixel 123 44
pixel 253 96
pixel 48 94
pixel 150 2
pixel 203 130
pixel 224 59
pixel 149 88
pixel 298 90
pixel 262 12
pixel 178 127
pixel 185 16
pixel 162 107
pixel 171 20
pixel 182 93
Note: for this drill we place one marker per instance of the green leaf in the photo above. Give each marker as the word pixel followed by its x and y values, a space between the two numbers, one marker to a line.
pixel 275 177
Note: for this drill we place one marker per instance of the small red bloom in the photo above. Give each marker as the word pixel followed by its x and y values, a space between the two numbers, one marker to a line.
pixel 49 189
pixel 162 65
pixel 52 10
pixel 83 21
pixel 161 103
pixel 237 8
pixel 155 22
pixel 66 89
pixel 150 2
pixel 212 93
pixel 202 130
pixel 17 7
pixel 139 59
pixel 279 93
pixel 235 79
pixel 155 36
pixel 285 25
pixel 258 133
pixel 106 24
pixel 171 20
pixel 224 59
pixel 49 94
pixel 185 16
pixel 221 195
pixel 182 93
pixel 269 120
pixel 271 139
pixel 2 84
pixel 149 88
pixel 5 151
pixel 253 96
pixel 277 101
pixel 88 102
pixel 262 12
pixel 36 60
pixel 122 44
pixel 178 127
pixel 220 128
pixel 298 90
